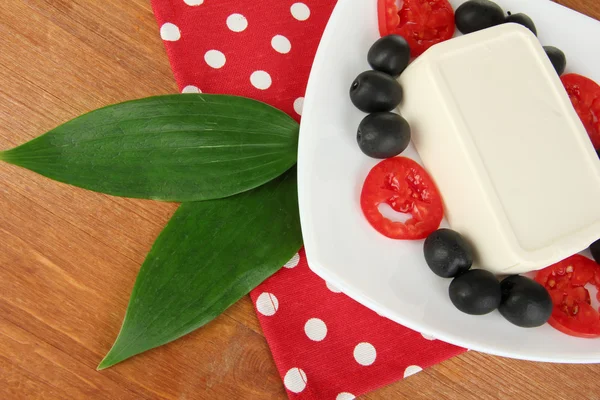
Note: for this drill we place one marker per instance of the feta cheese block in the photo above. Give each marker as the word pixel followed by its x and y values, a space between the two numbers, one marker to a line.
pixel 497 132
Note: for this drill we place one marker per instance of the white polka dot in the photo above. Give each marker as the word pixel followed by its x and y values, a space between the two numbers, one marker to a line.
pixel 428 337
pixel 281 44
pixel 193 2
pixel 365 354
pixel 300 11
pixel 214 58
pixel 298 104
pixel 315 329
pixel 293 262
pixel 345 396
pixel 260 80
pixel 295 380
pixel 267 304
pixel 411 370
pixel 191 89
pixel 170 32
pixel 333 288
pixel 237 22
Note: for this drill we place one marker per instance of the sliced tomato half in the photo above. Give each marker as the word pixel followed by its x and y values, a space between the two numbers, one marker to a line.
pixel 585 96
pixel 573 313
pixel 407 188
pixel 422 23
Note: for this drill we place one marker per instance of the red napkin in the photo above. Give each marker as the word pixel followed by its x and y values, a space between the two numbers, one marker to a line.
pixel 325 345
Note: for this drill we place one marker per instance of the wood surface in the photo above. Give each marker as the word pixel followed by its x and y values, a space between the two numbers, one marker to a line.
pixel 69 257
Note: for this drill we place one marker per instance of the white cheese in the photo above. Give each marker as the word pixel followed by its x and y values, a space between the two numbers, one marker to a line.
pixel 497 132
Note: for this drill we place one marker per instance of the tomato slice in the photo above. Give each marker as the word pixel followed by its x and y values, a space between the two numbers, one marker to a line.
pixel 573 313
pixel 422 23
pixel 585 96
pixel 407 188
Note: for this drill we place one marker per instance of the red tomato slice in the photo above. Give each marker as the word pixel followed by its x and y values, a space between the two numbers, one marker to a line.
pixel 406 187
pixel 585 96
pixel 565 281
pixel 422 23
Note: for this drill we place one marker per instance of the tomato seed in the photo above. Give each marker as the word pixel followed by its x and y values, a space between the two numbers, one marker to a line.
pixel 569 269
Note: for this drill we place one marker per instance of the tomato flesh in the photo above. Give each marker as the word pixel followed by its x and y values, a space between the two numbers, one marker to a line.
pixel 407 188
pixel 573 313
pixel 387 15
pixel 585 97
pixel 422 23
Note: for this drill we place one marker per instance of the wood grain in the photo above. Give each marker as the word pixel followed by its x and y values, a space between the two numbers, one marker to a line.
pixel 68 257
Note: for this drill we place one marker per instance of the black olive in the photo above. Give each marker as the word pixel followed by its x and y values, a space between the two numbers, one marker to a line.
pixel 374 91
pixel 383 135
pixel 595 248
pixel 598 154
pixel 389 54
pixel 522 19
pixel 557 58
pixel 475 292
pixel 475 15
pixel 525 302
pixel 447 253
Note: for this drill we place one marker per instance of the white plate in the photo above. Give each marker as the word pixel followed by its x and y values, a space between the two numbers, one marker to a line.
pixel 391 276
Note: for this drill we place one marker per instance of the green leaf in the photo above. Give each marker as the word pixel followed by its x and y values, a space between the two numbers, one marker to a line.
pixel 209 255
pixel 174 148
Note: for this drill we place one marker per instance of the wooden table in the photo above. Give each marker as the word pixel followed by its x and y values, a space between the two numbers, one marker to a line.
pixel 69 257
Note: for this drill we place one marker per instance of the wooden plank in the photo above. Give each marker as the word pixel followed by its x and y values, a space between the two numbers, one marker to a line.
pixel 69 257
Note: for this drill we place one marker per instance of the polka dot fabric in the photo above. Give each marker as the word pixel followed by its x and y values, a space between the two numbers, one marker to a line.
pixel 259 49
pixel 325 345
